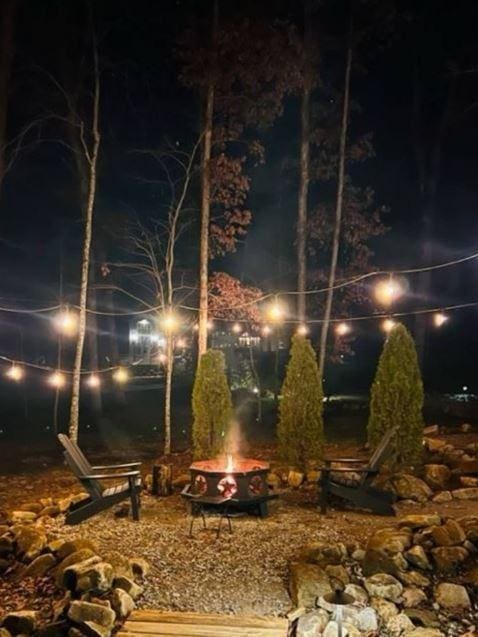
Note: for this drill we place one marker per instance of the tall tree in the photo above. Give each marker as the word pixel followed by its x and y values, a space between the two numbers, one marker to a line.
pixel 397 397
pixel 91 146
pixel 304 164
pixel 339 204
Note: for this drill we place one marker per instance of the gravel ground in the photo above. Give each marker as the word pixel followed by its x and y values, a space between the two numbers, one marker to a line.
pixel 245 572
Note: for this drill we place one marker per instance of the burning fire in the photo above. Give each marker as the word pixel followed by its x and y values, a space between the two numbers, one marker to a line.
pixel 229 463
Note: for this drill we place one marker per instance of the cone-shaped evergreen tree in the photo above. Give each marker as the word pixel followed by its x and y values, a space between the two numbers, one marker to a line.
pixel 397 397
pixel 301 429
pixel 212 405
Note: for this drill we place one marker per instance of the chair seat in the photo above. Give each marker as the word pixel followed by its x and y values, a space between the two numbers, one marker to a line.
pixel 122 487
pixel 346 478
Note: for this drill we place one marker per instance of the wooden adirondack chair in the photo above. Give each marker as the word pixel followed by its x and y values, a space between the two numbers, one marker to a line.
pixel 354 482
pixel 100 498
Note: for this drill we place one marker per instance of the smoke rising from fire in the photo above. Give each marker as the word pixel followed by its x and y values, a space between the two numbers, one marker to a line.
pixel 235 443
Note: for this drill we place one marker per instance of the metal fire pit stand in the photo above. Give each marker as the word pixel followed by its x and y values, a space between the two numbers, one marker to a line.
pixel 201 503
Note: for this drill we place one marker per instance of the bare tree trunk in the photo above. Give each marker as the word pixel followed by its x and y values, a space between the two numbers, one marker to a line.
pixel 206 201
pixel 92 341
pixel 338 209
pixel 258 384
pixel 7 28
pixel 92 158
pixel 304 174
pixel 168 389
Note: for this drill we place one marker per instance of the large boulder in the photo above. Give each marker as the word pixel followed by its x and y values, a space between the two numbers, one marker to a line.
pixel 409 487
pixel 140 566
pixel 72 546
pixel 89 575
pixel 307 583
pixel 20 622
pixel 384 551
pixel 417 557
pixel 452 596
pixel 74 558
pixel 30 542
pixel 384 585
pixel 313 623
pixel 128 585
pixel 122 603
pixel 448 534
pixel 437 476
pixel 40 566
pixel 448 558
pixel 467 493
pixel 324 553
pixel 80 612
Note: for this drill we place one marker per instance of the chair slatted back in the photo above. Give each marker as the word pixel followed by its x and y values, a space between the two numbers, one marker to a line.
pixel 80 466
pixel 383 449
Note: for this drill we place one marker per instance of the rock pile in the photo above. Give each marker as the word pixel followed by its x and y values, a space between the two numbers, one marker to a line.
pixel 418 578
pixel 97 594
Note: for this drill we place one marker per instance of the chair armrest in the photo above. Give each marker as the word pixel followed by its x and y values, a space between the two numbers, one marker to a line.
pixel 116 466
pixel 109 476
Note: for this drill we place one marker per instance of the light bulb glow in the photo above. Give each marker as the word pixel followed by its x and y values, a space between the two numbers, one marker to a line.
pixel 67 322
pixel 388 325
pixel 181 343
pixel 15 373
pixel 210 325
pixel 276 313
pixel 93 381
pixel 266 330
pixel 386 292
pixel 57 380
pixel 302 330
pixel 121 375
pixel 236 328
pixel 439 319
pixel 169 323
pixel 163 359
pixel 342 329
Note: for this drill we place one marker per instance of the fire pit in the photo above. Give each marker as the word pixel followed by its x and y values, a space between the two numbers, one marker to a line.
pixel 239 483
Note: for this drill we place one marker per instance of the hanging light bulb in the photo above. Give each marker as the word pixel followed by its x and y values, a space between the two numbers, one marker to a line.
pixel 341 329
pixel 121 375
pixel 439 319
pixel 66 322
pixel 169 322
pixel 388 291
pixel 266 330
pixel 276 312
pixel 388 325
pixel 93 381
pixel 15 373
pixel 236 328
pixel 210 325
pixel 57 379
pixel 302 330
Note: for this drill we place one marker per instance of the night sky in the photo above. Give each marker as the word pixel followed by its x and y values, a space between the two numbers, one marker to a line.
pixel 143 103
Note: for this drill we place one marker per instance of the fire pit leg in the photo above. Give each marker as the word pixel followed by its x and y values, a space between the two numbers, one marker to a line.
pixel 224 514
pixel 196 510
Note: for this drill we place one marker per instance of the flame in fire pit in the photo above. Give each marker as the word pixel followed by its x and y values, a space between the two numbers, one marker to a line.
pixel 229 463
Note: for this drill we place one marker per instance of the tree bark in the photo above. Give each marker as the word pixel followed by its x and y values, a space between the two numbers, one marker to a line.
pixel 304 174
pixel 92 157
pixel 206 200
pixel 338 209
pixel 167 398
pixel 92 342
pixel 7 32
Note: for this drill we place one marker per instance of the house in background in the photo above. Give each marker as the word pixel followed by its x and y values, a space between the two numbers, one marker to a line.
pixel 146 341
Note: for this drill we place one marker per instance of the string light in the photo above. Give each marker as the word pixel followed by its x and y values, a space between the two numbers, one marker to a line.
pixel 209 325
pixel 439 319
pixel 66 322
pixel 388 325
pixel 387 292
pixel 342 329
pixel 266 330
pixel 181 343
pixel 121 375
pixel 302 330
pixel 276 312
pixel 93 381
pixel 169 322
pixel 236 328
pixel 57 379
pixel 163 359
pixel 15 373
